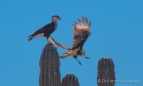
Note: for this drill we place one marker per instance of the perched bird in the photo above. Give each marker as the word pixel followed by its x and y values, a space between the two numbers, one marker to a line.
pixel 81 34
pixel 46 30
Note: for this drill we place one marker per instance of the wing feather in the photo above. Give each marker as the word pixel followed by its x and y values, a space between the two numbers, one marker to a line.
pixel 66 54
pixel 46 30
pixel 58 44
pixel 81 32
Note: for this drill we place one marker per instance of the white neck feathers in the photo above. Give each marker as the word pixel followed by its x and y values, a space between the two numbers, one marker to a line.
pixel 55 21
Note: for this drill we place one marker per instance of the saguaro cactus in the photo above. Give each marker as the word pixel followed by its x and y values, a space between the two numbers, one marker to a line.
pixel 49 67
pixel 106 74
pixel 70 80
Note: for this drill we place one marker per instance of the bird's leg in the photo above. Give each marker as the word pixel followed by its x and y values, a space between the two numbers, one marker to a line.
pixel 78 61
pixel 86 57
pixel 47 39
pixel 83 54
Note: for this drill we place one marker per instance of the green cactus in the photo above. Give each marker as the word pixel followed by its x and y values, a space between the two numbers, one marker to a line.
pixel 70 80
pixel 106 74
pixel 49 67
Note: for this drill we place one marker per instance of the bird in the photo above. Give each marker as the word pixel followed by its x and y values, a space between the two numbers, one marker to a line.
pixel 81 34
pixel 46 30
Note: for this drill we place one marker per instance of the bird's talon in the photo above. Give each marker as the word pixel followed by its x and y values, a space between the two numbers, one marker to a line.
pixel 80 63
pixel 87 58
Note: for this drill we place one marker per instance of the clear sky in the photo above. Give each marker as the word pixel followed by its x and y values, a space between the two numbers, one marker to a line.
pixel 116 32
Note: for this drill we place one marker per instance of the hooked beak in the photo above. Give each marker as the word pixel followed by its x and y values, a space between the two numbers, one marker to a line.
pixel 59 18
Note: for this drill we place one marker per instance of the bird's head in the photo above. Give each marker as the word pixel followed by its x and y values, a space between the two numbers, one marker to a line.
pixel 56 17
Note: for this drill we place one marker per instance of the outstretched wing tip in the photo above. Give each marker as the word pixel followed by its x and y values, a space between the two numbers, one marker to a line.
pixel 82 24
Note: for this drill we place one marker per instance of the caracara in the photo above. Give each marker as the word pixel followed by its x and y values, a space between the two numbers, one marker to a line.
pixel 46 30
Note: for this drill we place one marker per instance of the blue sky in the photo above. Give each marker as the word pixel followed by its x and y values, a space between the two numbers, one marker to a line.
pixel 116 32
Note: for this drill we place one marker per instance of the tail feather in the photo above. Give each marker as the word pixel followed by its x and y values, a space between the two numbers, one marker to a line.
pixel 30 38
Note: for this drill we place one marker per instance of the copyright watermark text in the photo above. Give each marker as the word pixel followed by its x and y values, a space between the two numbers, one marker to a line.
pixel 117 81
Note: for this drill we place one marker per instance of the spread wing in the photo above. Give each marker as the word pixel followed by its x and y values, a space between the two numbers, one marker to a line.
pixel 70 53
pixel 57 44
pixel 81 32
pixel 66 54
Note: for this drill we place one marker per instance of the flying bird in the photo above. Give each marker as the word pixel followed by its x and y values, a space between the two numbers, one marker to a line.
pixel 81 34
pixel 46 30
